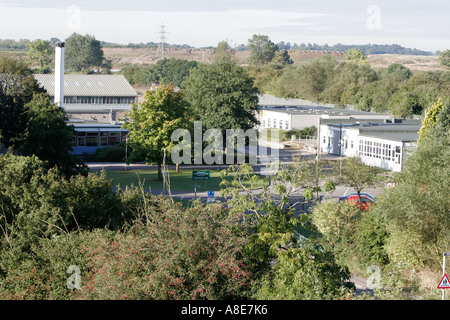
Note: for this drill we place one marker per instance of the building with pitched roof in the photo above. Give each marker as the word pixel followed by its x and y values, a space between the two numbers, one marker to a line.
pixel 95 105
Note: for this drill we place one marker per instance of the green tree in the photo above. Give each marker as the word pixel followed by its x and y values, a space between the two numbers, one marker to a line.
pixel 169 70
pixel 262 50
pixel 430 120
pixel 49 137
pixel 359 176
pixel 402 72
pixel 40 53
pixel 224 52
pixel 282 57
pixel 222 96
pixel 152 122
pixel 444 58
pixel 347 81
pixel 83 52
pixel 135 74
pixel 17 87
pixel 405 104
pixel 37 202
pixel 419 223
pixel 337 222
pixel 306 81
pixel 356 56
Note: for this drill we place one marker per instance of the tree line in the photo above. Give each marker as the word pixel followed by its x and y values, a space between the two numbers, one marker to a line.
pixel 354 82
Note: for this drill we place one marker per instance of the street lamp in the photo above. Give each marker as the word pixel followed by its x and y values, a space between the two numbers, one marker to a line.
pixel 164 172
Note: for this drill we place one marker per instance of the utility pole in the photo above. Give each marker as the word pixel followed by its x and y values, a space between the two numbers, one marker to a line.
pixel 162 40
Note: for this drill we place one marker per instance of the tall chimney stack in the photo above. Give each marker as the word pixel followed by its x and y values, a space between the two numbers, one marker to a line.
pixel 59 74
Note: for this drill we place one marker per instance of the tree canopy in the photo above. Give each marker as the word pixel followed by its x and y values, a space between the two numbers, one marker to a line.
pixel 83 52
pixel 152 122
pixel 262 50
pixel 48 137
pixel 40 52
pixel 222 96
pixel 17 86
pixel 444 58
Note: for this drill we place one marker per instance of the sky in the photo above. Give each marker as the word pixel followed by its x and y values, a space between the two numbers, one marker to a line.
pixel 420 24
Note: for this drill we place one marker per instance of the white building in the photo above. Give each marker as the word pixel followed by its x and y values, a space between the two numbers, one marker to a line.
pixel 381 144
pixel 300 117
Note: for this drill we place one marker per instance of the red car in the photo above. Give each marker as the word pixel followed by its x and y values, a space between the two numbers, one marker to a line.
pixel 366 199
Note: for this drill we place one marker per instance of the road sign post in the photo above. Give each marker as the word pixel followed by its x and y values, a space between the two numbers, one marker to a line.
pixel 200 174
pixel 211 198
pixel 444 283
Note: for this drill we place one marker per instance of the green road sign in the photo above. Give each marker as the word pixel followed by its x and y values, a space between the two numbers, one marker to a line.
pixel 200 174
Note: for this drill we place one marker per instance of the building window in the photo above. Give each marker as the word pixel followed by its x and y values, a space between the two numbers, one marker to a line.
pixel 287 125
pixel 81 141
pixel 92 139
pixel 114 138
pixel 103 139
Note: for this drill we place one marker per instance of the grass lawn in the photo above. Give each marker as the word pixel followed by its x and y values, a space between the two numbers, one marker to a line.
pixel 181 181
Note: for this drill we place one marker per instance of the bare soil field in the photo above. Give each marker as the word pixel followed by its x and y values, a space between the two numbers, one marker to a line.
pixel 413 63
pixel 142 56
pixel 124 56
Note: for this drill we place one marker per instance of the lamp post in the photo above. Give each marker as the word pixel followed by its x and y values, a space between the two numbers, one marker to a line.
pixel 164 172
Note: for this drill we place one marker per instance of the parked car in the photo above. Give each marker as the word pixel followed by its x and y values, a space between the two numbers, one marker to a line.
pixel 366 199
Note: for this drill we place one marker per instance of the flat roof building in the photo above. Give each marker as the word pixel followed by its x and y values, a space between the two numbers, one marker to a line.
pixel 300 117
pixel 381 144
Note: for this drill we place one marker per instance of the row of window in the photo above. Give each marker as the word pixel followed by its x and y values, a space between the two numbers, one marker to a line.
pixel 379 150
pixel 98 139
pixel 275 123
pixel 98 100
pixel 345 143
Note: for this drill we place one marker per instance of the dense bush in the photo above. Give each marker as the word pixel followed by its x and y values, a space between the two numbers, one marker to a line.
pixel 166 253
pixel 109 154
pixel 36 202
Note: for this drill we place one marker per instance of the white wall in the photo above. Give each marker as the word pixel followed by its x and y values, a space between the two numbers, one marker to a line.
pixel 271 119
pixel 391 160
pixel 383 153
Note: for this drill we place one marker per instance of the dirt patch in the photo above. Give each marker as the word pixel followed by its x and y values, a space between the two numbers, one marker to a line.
pixel 142 56
pixel 413 63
